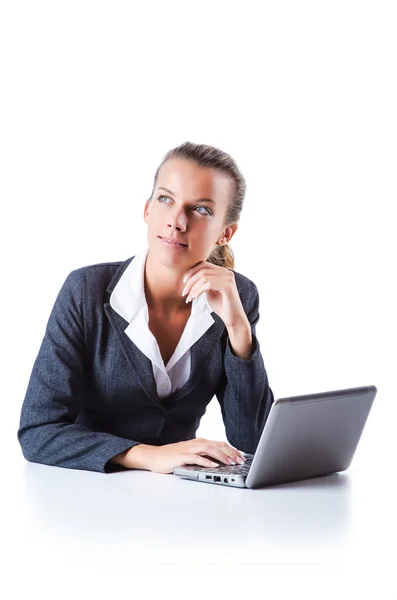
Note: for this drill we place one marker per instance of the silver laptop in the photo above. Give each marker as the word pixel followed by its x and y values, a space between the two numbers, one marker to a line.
pixel 303 437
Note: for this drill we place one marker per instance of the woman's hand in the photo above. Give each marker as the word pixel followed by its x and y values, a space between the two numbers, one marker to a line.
pixel 221 290
pixel 162 459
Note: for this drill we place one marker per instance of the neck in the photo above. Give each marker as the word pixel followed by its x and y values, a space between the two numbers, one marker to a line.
pixel 163 289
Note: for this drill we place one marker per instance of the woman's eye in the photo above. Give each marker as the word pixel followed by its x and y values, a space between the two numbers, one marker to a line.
pixel 200 213
pixel 205 208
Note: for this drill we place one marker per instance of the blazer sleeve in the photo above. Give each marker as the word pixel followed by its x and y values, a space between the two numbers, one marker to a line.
pixel 47 431
pixel 244 394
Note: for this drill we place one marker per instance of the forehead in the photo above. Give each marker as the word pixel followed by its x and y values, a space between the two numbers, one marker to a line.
pixel 187 178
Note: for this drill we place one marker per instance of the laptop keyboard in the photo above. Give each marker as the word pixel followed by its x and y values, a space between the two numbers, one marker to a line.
pixel 240 469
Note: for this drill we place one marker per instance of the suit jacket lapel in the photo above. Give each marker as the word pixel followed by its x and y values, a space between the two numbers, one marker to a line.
pixel 139 362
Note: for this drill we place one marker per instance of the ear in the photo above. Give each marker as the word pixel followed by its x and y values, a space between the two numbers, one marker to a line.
pixel 227 235
pixel 147 210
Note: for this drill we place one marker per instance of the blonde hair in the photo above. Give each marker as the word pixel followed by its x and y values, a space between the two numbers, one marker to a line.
pixel 209 156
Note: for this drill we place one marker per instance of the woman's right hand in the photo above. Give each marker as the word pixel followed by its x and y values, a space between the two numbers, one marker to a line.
pixel 162 459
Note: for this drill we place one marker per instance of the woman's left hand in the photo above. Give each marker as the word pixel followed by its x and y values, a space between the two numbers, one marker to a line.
pixel 221 290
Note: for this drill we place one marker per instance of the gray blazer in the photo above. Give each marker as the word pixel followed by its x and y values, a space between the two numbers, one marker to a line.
pixel 92 393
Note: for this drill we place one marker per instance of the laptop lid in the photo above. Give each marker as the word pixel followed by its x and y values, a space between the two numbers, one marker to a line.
pixel 311 435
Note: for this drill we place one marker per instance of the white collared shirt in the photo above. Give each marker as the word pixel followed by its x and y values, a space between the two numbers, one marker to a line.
pixel 128 300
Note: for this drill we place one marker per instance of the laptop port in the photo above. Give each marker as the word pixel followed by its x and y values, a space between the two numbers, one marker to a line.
pixel 225 480
pixel 208 476
pixel 217 478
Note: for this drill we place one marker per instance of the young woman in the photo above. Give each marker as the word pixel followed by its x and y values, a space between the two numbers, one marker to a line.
pixel 134 351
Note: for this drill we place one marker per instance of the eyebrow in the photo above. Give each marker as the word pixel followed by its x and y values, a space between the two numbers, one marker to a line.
pixel 199 199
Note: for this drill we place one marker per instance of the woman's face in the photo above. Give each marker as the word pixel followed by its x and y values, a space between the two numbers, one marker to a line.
pixel 178 210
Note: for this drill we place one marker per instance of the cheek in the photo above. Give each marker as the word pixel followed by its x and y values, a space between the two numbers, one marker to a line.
pixel 207 231
pixel 153 222
pixel 213 231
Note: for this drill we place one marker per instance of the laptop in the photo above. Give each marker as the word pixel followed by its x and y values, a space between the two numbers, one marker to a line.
pixel 303 437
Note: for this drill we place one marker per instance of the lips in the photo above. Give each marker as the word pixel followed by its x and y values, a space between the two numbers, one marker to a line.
pixel 172 241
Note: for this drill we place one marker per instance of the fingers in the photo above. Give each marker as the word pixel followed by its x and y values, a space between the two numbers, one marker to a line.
pixel 193 285
pixel 213 276
pixel 219 450
pixel 195 269
pixel 197 459
pixel 197 290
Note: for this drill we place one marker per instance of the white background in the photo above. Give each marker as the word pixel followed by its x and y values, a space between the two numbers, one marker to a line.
pixel 301 94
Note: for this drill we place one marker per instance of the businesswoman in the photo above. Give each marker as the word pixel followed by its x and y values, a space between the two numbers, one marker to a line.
pixel 134 351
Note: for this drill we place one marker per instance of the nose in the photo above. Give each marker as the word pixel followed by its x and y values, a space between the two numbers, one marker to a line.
pixel 177 219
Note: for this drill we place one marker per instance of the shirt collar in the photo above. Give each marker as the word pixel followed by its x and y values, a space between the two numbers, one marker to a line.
pixel 128 296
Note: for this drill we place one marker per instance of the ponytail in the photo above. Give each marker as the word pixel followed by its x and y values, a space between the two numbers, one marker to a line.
pixel 222 256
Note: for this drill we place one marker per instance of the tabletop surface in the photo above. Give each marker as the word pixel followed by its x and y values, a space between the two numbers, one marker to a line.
pixel 63 520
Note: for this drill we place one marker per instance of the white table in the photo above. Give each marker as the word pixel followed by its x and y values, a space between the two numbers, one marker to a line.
pixel 73 532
